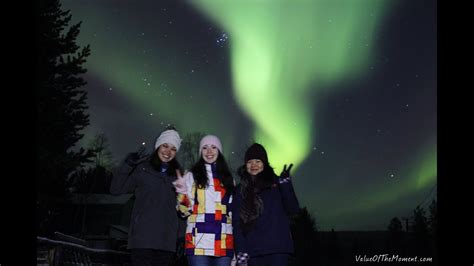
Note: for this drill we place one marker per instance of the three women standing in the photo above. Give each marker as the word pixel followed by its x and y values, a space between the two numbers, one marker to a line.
pixel 254 214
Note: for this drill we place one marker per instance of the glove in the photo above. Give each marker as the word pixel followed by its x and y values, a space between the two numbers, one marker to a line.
pixel 286 171
pixel 137 157
pixel 180 183
pixel 133 159
pixel 242 258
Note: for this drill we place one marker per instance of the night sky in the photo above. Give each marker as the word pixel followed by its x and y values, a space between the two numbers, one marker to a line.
pixel 346 90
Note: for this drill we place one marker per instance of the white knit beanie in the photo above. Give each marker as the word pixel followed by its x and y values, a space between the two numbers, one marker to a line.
pixel 210 140
pixel 169 136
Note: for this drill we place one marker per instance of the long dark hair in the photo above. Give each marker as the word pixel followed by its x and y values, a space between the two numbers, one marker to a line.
pixel 250 188
pixel 223 173
pixel 173 165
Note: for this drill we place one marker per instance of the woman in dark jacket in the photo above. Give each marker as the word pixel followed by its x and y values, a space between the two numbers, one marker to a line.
pixel 155 225
pixel 262 203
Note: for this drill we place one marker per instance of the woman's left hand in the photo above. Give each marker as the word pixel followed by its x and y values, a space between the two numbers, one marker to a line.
pixel 180 183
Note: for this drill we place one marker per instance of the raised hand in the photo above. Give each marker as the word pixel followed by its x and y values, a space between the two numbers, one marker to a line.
pixel 286 171
pixel 132 159
pixel 135 158
pixel 180 183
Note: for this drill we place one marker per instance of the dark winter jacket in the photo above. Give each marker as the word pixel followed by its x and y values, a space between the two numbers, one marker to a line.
pixel 155 222
pixel 271 230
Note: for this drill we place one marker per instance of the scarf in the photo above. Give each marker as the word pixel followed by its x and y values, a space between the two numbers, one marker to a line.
pixel 252 204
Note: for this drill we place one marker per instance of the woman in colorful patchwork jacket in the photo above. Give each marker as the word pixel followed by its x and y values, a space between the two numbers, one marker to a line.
pixel 262 205
pixel 204 196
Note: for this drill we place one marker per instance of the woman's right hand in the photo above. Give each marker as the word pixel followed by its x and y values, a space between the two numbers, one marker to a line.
pixel 180 183
pixel 132 159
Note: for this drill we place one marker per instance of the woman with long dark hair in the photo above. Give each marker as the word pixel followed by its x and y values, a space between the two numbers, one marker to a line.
pixel 261 208
pixel 155 225
pixel 204 197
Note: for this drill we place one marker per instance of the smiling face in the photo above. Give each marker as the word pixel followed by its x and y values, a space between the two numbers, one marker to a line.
pixel 166 152
pixel 209 153
pixel 254 166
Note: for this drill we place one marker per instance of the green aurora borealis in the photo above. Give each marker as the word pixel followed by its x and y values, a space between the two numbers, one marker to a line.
pixel 283 52
pixel 314 81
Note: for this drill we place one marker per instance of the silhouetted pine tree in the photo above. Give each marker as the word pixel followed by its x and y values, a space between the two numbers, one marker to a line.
pixel 103 156
pixel 304 233
pixel 98 176
pixel 433 228
pixel 420 230
pixel 395 225
pixel 334 247
pixel 61 105
pixel 395 235
pixel 189 151
pixel 96 179
pixel 433 219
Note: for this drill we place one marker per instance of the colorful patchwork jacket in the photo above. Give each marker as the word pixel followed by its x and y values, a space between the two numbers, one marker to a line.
pixel 209 224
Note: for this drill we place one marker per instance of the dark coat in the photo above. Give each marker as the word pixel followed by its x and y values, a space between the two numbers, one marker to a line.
pixel 271 231
pixel 155 222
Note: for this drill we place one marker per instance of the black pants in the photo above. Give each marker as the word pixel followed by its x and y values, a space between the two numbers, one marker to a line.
pixel 151 257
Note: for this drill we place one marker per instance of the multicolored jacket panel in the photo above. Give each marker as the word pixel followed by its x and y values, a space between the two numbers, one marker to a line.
pixel 209 224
